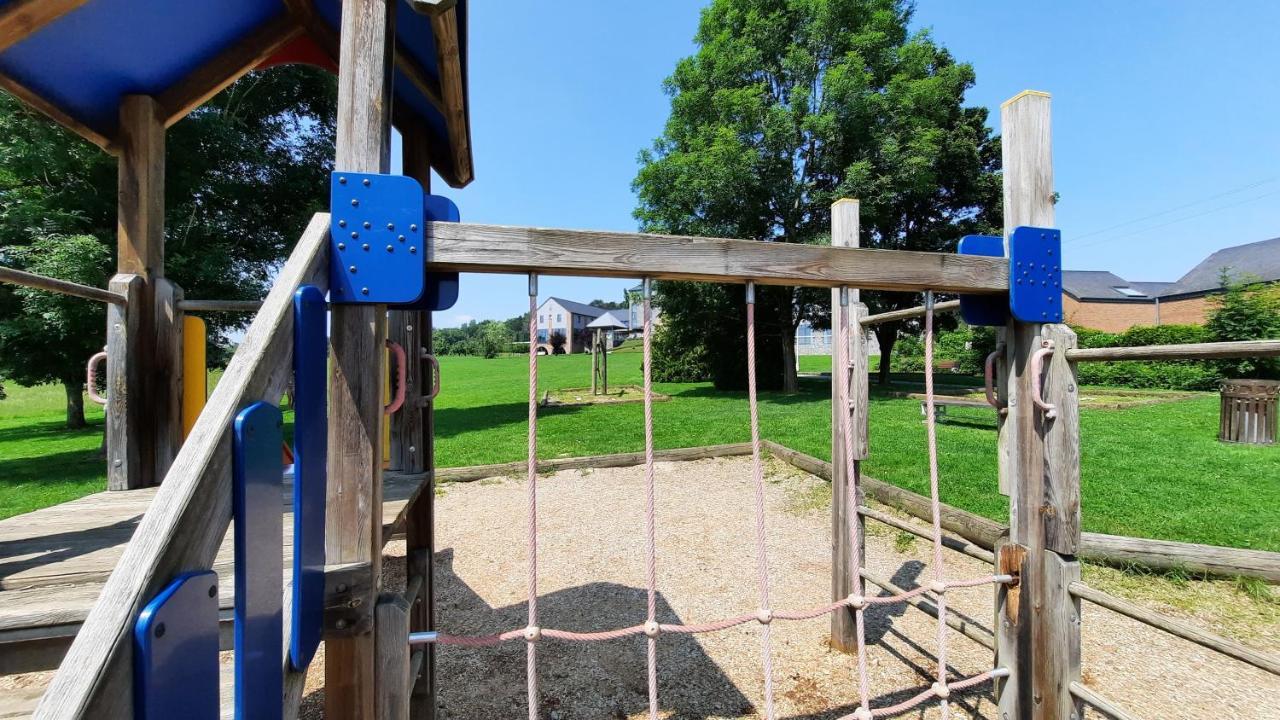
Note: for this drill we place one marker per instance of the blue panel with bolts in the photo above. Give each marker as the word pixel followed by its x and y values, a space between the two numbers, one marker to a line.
pixel 983 309
pixel 441 290
pixel 310 444
pixel 175 657
pixel 1035 274
pixel 378 251
pixel 256 474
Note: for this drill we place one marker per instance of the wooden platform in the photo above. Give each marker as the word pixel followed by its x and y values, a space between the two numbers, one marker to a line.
pixel 53 563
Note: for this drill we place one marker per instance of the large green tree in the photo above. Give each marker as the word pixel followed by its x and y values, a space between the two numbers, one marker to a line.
pixel 244 173
pixel 787 106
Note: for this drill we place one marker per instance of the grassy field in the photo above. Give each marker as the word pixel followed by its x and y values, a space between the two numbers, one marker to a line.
pixel 1151 471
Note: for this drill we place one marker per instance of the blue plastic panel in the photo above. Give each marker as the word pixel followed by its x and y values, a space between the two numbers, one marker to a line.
pixel 983 309
pixel 310 443
pixel 175 656
pixel 376 233
pixel 441 291
pixel 257 470
pixel 1035 274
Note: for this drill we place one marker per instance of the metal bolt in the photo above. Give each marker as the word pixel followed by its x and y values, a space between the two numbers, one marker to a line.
pixel 342 181
pixel 365 247
pixel 340 624
pixel 354 234
pixel 368 225
pixel 342 223
pixel 213 591
pixel 401 238
pixel 355 202
pixel 118 462
pixel 366 182
pixel 391 226
pixel 390 249
pixel 342 246
pixel 342 587
pixel 413 250
pixel 352 268
pixel 364 291
pixel 413 228
pixel 1071 387
pixel 412 449
pixel 408 328
pixel 160 630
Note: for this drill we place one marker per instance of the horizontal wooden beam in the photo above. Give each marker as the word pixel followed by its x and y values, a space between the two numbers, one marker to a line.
pixel 510 249
pixel 229 306
pixel 55 113
pixel 911 312
pixel 228 66
pixel 976 633
pixel 22 18
pixel 1178 628
pixel 63 287
pixel 1188 351
pixel 1099 703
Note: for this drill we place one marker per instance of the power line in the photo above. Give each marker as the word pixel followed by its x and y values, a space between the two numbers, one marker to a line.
pixel 1210 211
pixel 1170 210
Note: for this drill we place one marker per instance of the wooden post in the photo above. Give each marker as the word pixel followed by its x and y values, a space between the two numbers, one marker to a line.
pixel 420 523
pixel 166 377
pixel 394 683
pixel 152 429
pixel 595 362
pixel 124 452
pixel 357 339
pixel 1037 629
pixel 844 233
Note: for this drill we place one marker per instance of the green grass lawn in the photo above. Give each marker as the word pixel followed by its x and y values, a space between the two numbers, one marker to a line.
pixel 1150 471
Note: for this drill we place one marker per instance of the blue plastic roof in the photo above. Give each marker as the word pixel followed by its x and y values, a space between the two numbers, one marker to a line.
pixel 85 61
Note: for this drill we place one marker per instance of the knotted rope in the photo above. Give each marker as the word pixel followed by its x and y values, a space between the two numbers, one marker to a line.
pixel 650 501
pixel 765 613
pixel 531 653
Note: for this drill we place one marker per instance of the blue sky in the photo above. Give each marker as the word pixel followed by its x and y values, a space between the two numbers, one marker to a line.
pixel 1166 121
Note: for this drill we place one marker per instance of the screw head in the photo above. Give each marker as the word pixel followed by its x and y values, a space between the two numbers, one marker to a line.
pixel 213 591
pixel 413 250
pixel 342 246
pixel 401 238
pixel 365 247
pixel 391 226
pixel 413 228
pixel 364 291
pixel 354 234
pixel 355 202
pixel 342 223
pixel 352 268
pixel 340 624
pixel 390 249
pixel 368 226
pixel 342 180
pixel 160 629
pixel 366 182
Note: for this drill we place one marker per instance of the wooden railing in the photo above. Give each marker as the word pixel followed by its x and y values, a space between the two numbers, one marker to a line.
pixel 186 522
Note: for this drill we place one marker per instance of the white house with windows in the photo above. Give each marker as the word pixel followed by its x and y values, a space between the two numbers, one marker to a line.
pixel 569 319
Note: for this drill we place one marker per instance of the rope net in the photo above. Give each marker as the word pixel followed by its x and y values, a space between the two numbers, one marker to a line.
pixel 532 634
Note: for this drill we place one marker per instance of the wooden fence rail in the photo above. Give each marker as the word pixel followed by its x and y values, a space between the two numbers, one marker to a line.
pixel 1188 351
pixel 63 287
pixel 1099 703
pixel 229 306
pixel 911 312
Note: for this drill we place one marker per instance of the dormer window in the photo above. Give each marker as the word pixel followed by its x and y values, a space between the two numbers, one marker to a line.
pixel 1129 292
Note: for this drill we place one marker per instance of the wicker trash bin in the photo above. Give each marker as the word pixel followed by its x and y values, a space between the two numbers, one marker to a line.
pixel 1249 411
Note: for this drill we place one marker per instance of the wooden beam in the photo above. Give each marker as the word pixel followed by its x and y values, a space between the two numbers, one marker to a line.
pixel 22 18
pixel 394 682
pixel 911 312
pixel 63 287
pixel 164 383
pixel 228 66
pixel 978 634
pixel 227 306
pixel 511 249
pixel 357 340
pixel 304 13
pixel 1084 694
pixel 1188 351
pixel 124 450
pixel 453 91
pixel 186 522
pixel 55 113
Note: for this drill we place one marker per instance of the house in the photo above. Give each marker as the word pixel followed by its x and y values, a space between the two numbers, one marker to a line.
pixel 1102 300
pixel 635 312
pixel 566 318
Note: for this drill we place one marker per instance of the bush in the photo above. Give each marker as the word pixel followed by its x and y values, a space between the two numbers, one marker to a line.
pixel 1247 312
pixel 1173 375
pixel 966 346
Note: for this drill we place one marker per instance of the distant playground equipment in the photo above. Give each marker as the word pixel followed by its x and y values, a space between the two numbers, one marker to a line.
pixel 387 255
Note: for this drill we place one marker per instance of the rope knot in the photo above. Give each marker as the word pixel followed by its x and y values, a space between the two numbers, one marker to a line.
pixel 651 628
pixel 764 615
pixel 856 601
pixel 941 690
pixel 533 633
pixel 862 713
pixel 938 587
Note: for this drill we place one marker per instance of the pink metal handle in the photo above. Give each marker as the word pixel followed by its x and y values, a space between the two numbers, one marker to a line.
pixel 91 377
pixel 1037 364
pixel 435 377
pixel 401 362
pixel 991 381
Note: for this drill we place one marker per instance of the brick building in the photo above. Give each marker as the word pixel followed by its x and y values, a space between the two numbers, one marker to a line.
pixel 1105 301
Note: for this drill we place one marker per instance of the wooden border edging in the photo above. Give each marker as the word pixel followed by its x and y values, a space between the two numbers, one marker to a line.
pixel 63 287
pixel 911 312
pixel 1097 547
pixel 1099 703
pixel 1187 351
pixel 1186 631
pixel 477 472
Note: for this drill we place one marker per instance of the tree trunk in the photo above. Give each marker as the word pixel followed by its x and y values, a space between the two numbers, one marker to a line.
pixel 887 335
pixel 790 381
pixel 75 404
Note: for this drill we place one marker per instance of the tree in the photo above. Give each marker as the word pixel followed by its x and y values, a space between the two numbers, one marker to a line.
pixel 609 304
pixel 1248 310
pixel 244 173
pixel 789 105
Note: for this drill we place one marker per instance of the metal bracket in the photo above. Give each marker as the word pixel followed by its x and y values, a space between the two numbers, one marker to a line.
pixel 377 252
pixel 348 599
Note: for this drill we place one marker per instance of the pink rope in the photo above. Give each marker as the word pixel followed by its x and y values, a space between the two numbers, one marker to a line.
pixel 757 471
pixel 931 432
pixel 650 501
pixel 531 654
pixel 851 498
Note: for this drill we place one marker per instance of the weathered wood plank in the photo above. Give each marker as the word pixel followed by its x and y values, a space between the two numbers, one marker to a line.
pixel 126 462
pixel 229 306
pixel 22 18
pixel 1188 351
pixel 186 522
pixel 847 410
pixel 1055 639
pixel 911 312
pixel 164 383
pixel 63 287
pixel 453 93
pixel 357 339
pixel 1083 693
pixel 951 543
pixel 1060 506
pixel 498 248
pixel 392 633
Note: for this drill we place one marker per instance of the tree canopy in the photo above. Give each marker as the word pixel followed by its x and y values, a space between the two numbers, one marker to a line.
pixel 244 173
pixel 785 107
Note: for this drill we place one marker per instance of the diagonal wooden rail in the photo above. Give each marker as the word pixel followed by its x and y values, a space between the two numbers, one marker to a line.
pixel 63 287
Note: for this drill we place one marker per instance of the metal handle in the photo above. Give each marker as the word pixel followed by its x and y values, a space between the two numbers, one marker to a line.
pixel 435 377
pixel 91 378
pixel 401 364
pixel 990 388
pixel 1037 364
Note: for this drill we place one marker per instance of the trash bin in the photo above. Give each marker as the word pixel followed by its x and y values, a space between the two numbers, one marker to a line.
pixel 1249 411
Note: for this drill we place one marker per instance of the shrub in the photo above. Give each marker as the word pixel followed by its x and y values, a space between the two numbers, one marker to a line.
pixel 1173 375
pixel 1246 311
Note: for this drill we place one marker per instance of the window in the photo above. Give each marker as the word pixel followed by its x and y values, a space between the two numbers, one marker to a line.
pixel 542 335
pixel 1129 292
pixel 559 318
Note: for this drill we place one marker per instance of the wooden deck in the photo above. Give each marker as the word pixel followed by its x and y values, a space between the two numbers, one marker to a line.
pixel 53 563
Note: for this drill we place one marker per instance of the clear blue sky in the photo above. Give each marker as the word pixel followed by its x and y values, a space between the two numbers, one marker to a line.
pixel 1166 121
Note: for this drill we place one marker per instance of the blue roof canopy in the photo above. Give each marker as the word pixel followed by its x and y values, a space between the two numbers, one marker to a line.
pixel 83 57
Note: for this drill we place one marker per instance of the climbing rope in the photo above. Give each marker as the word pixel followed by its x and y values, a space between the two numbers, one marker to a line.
pixel 766 614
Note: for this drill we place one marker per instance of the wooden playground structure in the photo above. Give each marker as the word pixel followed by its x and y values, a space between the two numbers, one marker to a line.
pixel 404 61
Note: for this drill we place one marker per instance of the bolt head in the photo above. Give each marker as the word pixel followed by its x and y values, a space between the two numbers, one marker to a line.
pixel 355 202
pixel 413 228
pixel 364 291
pixel 354 234
pixel 340 624
pixel 342 223
pixel 391 226
pixel 390 249
pixel 352 268
pixel 368 225
pixel 364 246
pixel 413 250
pixel 342 181
pixel 366 182
pixel 342 246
